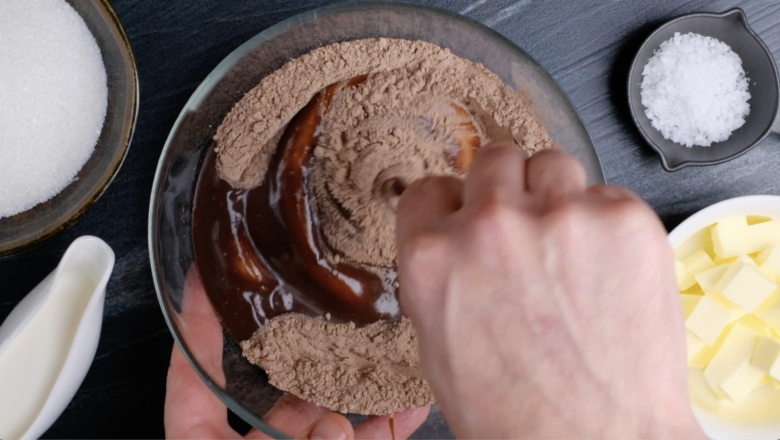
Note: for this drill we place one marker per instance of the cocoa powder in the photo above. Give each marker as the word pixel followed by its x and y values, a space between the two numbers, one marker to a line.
pixel 369 370
pixel 415 115
pixel 249 133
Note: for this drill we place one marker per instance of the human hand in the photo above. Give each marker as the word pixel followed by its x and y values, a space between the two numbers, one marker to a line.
pixel 544 309
pixel 192 411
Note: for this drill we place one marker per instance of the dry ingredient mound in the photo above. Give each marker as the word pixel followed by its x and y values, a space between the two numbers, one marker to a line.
pixel 419 111
pixel 397 126
pixel 369 370
pixel 377 138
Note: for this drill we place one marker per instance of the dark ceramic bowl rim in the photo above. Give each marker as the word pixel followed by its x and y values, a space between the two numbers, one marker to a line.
pixel 634 66
pixel 99 190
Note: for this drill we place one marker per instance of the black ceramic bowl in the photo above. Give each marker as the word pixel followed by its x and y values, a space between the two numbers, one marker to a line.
pixel 730 27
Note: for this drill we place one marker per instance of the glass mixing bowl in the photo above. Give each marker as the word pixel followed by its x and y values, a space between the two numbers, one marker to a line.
pixel 66 208
pixel 212 352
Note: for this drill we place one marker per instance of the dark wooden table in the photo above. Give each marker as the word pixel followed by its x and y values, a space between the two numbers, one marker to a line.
pixel 587 46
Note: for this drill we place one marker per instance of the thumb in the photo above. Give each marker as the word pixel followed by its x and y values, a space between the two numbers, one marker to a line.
pixel 331 426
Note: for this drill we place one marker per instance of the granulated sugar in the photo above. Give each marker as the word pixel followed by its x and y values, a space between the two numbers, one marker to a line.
pixel 53 99
pixel 694 90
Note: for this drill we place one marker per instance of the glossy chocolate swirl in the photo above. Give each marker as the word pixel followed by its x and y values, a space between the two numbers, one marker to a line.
pixel 269 251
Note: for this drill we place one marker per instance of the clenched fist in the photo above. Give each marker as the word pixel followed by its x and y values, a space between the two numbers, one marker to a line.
pixel 544 309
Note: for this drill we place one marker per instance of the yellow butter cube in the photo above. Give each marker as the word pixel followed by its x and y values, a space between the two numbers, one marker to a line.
pixel 770 273
pixel 689 303
pixel 693 343
pixel 769 255
pixel 757 325
pixel 721 261
pixel 745 285
pixel 766 355
pixel 742 382
pixel 771 318
pixel 709 278
pixel 769 261
pixel 776 382
pixel 704 357
pixel 733 236
pixel 709 318
pixel 774 372
pixel 764 235
pixel 698 389
pixel 700 240
pixel 731 364
pixel 684 279
pixel 767 379
pixel 698 261
pixel 729 237
pixel 735 310
pixel 771 303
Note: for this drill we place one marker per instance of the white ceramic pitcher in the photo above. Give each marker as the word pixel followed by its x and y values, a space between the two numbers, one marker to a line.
pixel 49 340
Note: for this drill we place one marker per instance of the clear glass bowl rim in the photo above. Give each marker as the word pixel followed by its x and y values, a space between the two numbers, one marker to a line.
pixel 213 79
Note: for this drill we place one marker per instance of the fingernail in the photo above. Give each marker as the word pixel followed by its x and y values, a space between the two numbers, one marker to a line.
pixel 327 429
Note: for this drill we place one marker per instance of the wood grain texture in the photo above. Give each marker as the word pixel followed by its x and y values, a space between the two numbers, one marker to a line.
pixel 587 47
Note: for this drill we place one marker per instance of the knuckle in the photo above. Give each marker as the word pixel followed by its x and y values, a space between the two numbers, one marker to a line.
pixel 565 217
pixel 493 221
pixel 423 247
pixel 629 211
pixel 552 158
pixel 490 215
pixel 638 220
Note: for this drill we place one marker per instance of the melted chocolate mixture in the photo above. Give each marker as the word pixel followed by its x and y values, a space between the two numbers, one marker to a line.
pixel 260 252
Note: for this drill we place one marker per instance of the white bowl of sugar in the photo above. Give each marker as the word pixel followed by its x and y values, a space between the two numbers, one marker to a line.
pixel 69 87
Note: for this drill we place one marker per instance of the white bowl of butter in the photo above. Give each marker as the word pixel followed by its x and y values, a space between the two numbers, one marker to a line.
pixel 728 272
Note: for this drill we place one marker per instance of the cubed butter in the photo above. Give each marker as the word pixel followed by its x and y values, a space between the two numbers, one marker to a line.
pixel 689 303
pixel 698 261
pixel 733 236
pixel 729 237
pixel 771 318
pixel 710 317
pixel 731 364
pixel 745 285
pixel 721 261
pixel 709 278
pixel 704 357
pixel 766 355
pixel 757 325
pixel 742 382
pixel 693 343
pixel 764 235
pixel 698 389
pixel 769 255
pixel 700 240
pixel 772 303
pixel 735 310
pixel 684 279
pixel 769 261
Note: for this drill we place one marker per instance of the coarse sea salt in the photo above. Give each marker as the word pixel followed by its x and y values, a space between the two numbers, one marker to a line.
pixel 694 90
pixel 53 100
